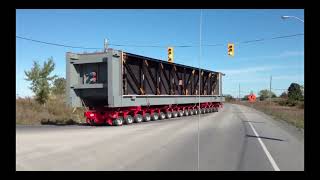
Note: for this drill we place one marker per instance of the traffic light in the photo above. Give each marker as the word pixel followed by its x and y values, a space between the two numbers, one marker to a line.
pixel 170 54
pixel 231 49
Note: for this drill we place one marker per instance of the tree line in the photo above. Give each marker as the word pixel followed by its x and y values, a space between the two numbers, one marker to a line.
pixel 293 94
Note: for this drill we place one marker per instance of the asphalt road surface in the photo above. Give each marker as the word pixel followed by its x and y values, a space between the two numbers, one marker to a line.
pixel 235 138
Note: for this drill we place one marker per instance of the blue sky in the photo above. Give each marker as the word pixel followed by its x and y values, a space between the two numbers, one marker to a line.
pixel 252 65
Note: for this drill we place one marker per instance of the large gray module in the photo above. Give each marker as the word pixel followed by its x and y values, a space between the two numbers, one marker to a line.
pixel 124 79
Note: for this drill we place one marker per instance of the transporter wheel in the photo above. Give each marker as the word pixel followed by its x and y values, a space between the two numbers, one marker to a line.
pixel 211 109
pixel 138 118
pixel 147 117
pixel 169 114
pixel 162 115
pixel 202 111
pixel 128 119
pixel 191 112
pixel 207 110
pixel 155 116
pixel 174 114
pixel 91 122
pixel 180 113
pixel 195 112
pixel 118 121
pixel 186 112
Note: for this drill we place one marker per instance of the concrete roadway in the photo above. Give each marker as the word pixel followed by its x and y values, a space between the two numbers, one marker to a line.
pixel 237 138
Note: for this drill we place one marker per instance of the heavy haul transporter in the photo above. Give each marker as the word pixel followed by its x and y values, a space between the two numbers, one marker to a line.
pixel 119 88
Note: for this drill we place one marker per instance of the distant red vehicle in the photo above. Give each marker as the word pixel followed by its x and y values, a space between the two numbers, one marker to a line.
pixel 252 98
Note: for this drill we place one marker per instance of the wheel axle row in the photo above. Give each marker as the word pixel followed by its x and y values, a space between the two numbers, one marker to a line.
pixel 119 117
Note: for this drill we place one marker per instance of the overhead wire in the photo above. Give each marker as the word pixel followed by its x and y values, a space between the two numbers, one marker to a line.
pixel 160 46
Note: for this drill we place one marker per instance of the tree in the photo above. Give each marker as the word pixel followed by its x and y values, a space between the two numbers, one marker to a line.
pixel 264 94
pixel 40 79
pixel 284 95
pixel 245 98
pixel 59 86
pixel 294 92
pixel 229 98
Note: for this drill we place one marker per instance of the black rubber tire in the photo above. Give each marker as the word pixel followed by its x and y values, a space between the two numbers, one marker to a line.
pixel 162 116
pixel 174 114
pixel 147 117
pixel 180 113
pixel 155 117
pixel 128 119
pixel 169 115
pixel 186 112
pixel 118 121
pixel 138 118
pixel 191 112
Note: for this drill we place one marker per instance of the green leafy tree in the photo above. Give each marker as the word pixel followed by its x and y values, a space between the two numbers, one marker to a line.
pixel 59 86
pixel 264 94
pixel 294 92
pixel 40 79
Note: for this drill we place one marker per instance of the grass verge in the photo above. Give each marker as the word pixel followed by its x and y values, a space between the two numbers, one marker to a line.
pixel 28 111
pixel 291 114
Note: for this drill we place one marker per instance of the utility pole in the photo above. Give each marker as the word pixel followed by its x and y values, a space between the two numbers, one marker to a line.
pixel 239 92
pixel 105 45
pixel 270 94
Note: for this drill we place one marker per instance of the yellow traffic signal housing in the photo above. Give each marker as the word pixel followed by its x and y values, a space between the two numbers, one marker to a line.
pixel 170 54
pixel 231 49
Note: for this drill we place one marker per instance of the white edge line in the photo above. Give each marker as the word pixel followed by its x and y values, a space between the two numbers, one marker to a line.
pixel 273 163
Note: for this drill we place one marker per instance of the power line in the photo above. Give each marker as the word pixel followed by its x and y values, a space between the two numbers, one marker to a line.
pixel 161 46
pixel 54 44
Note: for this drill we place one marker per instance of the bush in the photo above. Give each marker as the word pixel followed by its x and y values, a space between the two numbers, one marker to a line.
pixel 229 98
pixel 291 102
pixel 264 94
pixel 301 105
pixel 282 102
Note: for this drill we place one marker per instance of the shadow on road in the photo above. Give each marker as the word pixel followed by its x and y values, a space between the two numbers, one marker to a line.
pixel 262 137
